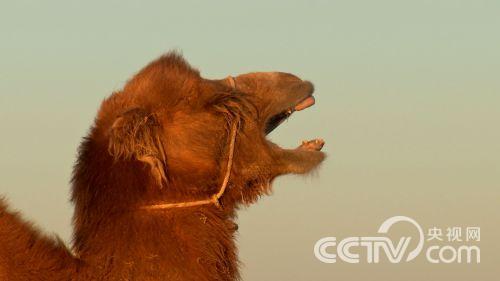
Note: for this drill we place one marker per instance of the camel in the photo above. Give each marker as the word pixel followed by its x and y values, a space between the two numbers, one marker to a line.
pixel 161 174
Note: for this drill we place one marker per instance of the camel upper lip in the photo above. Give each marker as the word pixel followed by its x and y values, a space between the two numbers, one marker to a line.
pixel 305 103
pixel 274 121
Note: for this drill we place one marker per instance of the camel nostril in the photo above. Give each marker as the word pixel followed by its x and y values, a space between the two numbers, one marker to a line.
pixel 309 87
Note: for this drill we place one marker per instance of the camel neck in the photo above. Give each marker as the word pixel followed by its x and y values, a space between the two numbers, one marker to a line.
pixel 199 242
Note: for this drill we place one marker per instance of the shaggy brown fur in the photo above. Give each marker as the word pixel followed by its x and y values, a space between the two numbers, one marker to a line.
pixel 162 139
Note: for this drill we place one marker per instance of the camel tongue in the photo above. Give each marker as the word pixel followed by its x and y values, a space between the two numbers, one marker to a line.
pixel 309 101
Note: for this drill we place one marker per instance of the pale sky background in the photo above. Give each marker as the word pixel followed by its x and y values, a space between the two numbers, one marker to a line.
pixel 408 98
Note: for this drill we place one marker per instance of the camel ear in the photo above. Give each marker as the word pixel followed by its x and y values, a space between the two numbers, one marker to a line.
pixel 136 135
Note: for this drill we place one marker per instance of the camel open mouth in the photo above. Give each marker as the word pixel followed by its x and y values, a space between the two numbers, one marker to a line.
pixel 275 120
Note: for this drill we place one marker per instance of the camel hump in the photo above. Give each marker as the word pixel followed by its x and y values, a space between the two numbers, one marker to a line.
pixel 27 254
